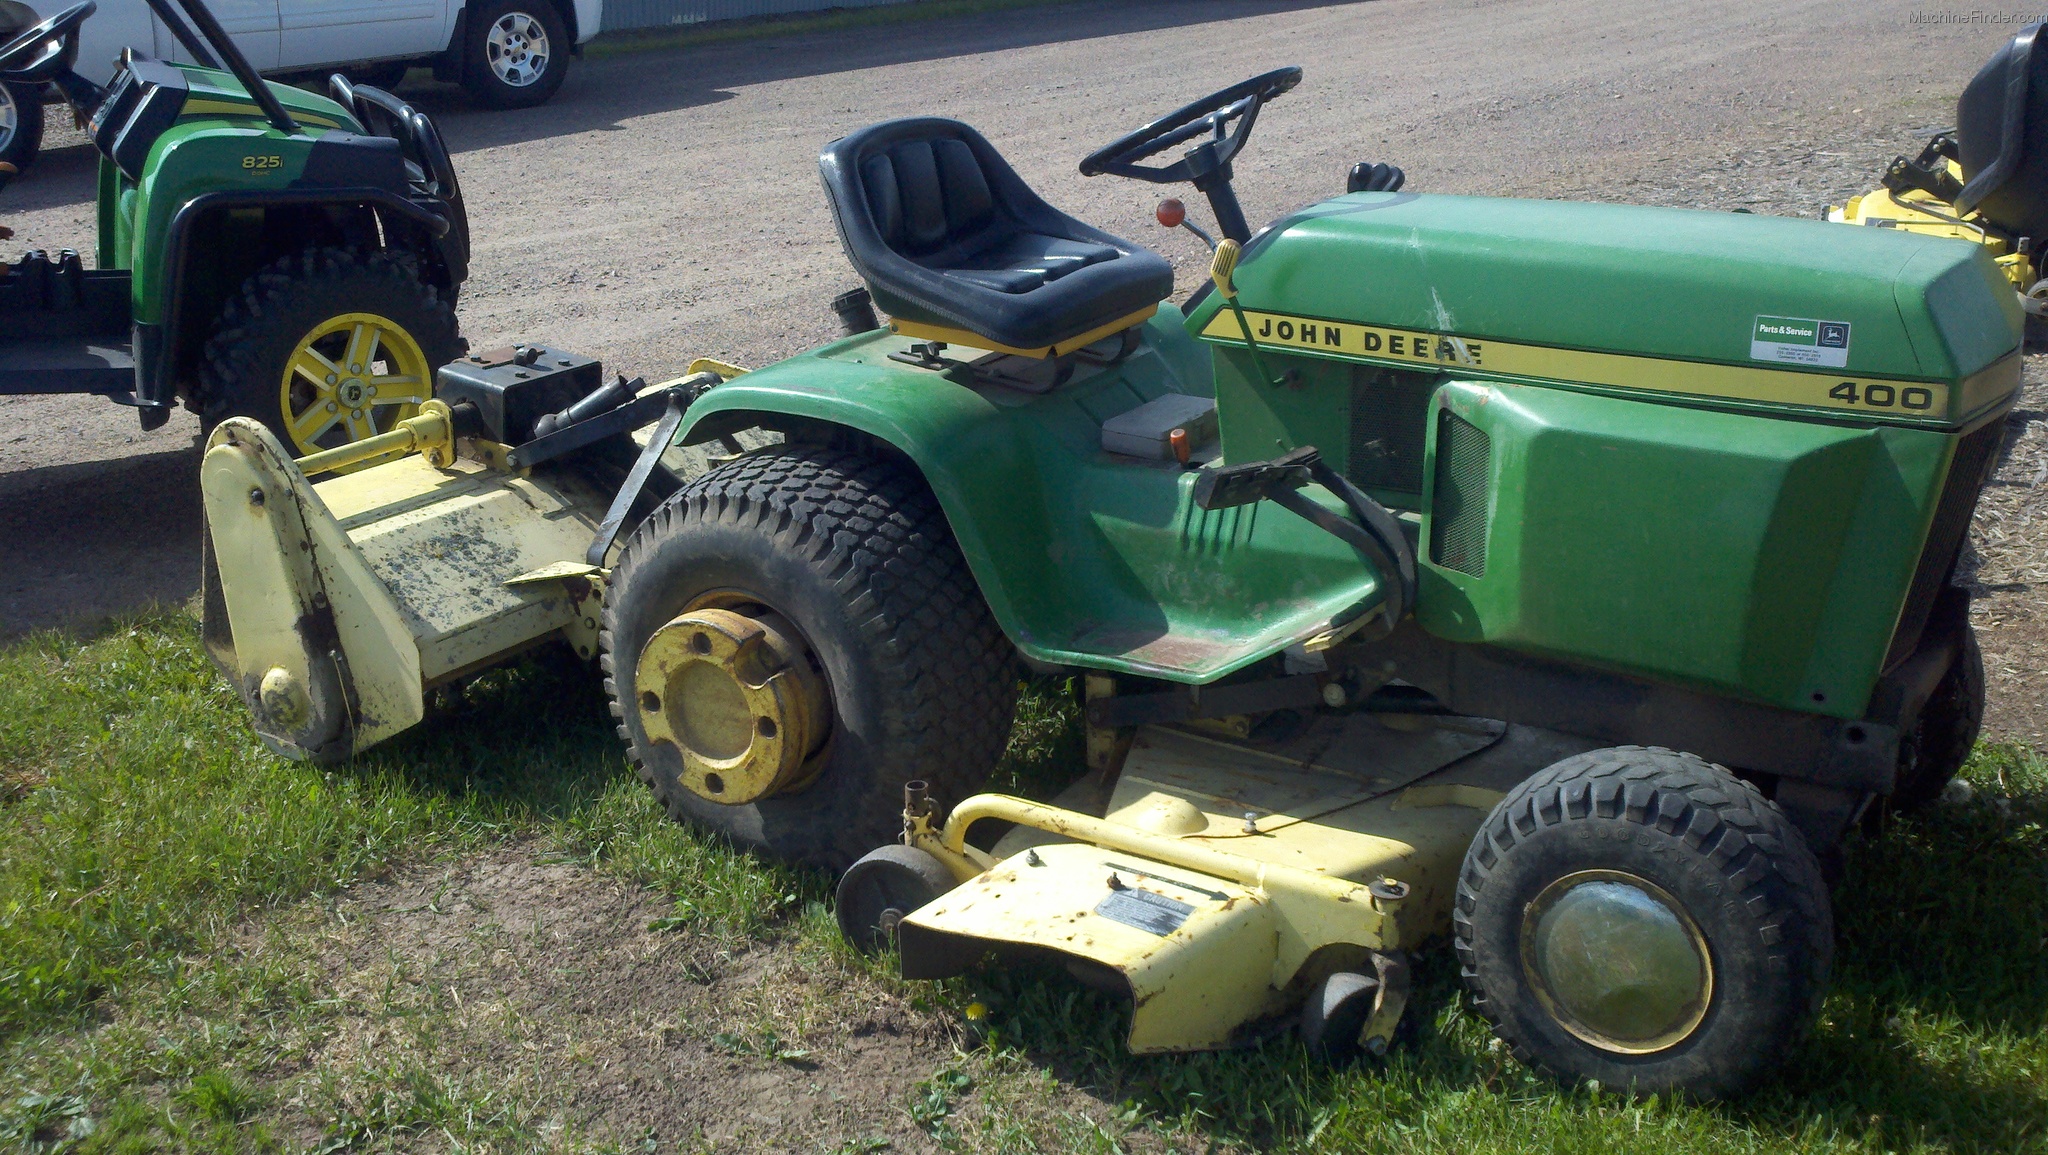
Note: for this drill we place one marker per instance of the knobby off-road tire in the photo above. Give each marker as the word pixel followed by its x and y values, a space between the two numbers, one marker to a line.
pixel 1940 740
pixel 1670 833
pixel 263 324
pixel 21 122
pixel 855 552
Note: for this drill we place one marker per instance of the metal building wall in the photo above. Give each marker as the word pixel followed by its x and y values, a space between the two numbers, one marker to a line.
pixel 620 14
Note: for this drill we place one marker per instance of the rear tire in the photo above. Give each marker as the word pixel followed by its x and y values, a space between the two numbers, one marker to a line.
pixel 856 554
pixel 515 53
pixel 21 124
pixel 1931 753
pixel 268 322
pixel 1644 918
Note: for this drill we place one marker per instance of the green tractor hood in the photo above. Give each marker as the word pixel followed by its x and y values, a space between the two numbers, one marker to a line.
pixel 1744 310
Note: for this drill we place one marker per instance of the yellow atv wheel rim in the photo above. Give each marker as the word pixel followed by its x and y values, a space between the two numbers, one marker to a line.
pixel 352 376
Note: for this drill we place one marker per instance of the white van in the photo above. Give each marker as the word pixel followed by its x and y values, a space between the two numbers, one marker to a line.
pixel 507 53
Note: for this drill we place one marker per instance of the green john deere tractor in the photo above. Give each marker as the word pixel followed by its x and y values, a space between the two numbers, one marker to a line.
pixel 263 251
pixel 1561 581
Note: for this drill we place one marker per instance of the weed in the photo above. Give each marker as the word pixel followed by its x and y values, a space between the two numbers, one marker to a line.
pixel 219 1097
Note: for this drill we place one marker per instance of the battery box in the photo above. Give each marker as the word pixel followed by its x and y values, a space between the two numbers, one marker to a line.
pixel 515 386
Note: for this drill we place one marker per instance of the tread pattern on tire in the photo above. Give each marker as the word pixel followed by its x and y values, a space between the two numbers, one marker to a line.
pixel 878 535
pixel 1760 855
pixel 228 360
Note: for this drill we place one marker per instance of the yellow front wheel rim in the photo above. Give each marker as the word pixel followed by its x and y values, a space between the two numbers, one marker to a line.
pixel 350 377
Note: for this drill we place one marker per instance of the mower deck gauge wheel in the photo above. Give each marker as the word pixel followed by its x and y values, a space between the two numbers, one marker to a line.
pixel 887 885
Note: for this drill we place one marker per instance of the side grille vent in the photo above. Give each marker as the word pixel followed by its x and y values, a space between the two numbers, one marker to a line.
pixel 1459 517
pixel 1389 426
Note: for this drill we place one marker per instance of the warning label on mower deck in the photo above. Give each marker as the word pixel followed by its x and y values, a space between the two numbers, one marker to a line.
pixel 1800 341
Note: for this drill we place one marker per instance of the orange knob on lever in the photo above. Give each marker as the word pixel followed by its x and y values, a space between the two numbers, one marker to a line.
pixel 1171 212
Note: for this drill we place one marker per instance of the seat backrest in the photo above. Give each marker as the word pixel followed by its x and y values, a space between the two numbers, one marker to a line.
pixel 2002 137
pixel 926 194
pixel 928 185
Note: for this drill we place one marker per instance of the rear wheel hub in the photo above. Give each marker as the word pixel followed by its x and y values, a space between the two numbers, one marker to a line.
pixel 736 693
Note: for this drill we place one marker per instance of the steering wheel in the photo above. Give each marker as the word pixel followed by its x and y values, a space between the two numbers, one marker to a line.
pixel 1209 117
pixel 39 53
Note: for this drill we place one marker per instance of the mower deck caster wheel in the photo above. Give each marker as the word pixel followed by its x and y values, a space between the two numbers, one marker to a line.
pixel 1349 1014
pixel 884 886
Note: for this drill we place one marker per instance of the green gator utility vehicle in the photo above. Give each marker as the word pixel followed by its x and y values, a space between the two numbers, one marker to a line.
pixel 263 251
pixel 1561 580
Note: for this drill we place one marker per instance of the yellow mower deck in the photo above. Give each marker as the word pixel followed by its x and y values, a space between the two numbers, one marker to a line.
pixel 1220 878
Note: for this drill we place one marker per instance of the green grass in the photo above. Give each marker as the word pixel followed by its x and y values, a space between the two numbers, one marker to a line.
pixel 142 829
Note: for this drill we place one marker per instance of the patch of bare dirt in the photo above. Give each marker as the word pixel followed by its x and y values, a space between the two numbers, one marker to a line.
pixel 512 979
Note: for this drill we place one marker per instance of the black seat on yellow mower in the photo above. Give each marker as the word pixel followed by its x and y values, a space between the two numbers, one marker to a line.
pixel 956 247
pixel 2002 137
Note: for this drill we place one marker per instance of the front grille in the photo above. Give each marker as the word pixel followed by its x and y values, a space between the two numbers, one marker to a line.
pixel 1389 425
pixel 1971 467
pixel 1460 505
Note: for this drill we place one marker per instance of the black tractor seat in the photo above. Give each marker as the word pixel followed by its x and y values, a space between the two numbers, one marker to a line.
pixel 2002 137
pixel 957 248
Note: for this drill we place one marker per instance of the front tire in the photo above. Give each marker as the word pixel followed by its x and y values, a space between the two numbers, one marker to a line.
pixel 515 53
pixel 327 347
pixel 1940 741
pixel 21 124
pixel 1644 918
pixel 791 554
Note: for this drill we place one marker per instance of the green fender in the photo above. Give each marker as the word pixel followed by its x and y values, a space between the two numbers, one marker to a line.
pixel 1087 559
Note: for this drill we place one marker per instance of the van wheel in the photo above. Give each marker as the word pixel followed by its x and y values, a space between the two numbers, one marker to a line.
pixel 327 347
pixel 792 637
pixel 1644 918
pixel 514 53
pixel 21 124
